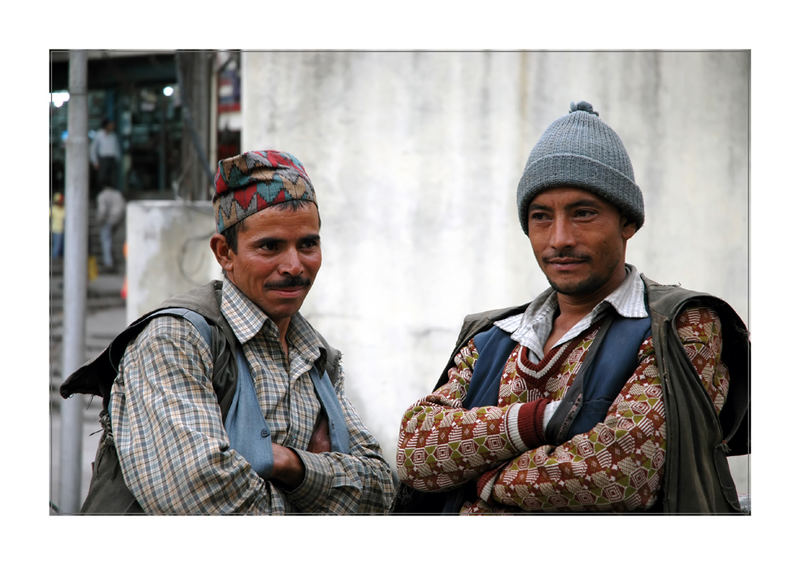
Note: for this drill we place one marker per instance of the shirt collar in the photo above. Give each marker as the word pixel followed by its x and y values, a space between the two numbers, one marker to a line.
pixel 628 298
pixel 532 327
pixel 247 319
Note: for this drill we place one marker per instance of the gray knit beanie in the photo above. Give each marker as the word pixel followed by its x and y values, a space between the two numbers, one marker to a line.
pixel 581 151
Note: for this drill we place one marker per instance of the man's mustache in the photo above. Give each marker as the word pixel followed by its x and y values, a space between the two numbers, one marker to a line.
pixel 565 255
pixel 289 282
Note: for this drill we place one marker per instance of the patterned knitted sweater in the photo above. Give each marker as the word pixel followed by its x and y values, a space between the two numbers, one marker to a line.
pixel 615 466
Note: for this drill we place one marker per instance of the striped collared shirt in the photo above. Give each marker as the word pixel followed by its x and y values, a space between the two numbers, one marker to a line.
pixel 172 444
pixel 532 327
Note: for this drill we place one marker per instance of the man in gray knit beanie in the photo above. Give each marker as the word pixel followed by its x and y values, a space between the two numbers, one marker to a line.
pixel 585 399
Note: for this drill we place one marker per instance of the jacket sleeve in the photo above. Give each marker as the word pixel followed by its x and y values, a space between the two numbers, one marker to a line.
pixel 169 433
pixel 442 445
pixel 360 482
pixel 618 465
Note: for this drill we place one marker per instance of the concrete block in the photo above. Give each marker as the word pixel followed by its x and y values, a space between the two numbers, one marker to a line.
pixel 168 251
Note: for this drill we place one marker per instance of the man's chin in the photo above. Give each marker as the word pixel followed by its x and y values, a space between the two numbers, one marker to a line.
pixel 280 311
pixel 282 306
pixel 574 288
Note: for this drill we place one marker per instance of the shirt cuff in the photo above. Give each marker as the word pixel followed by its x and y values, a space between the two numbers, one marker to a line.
pixel 549 410
pixel 316 483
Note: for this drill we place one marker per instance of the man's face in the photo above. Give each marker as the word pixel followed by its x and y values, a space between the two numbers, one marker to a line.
pixel 277 259
pixel 579 241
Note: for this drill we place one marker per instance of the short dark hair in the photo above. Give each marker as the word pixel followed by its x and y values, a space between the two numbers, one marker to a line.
pixel 231 234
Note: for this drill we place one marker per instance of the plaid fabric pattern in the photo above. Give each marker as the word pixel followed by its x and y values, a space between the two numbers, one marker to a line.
pixel 616 466
pixel 172 444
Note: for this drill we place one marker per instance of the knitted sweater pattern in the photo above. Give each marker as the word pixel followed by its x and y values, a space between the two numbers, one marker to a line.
pixel 616 466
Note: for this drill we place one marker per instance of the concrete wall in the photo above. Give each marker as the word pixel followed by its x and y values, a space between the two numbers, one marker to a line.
pixel 416 158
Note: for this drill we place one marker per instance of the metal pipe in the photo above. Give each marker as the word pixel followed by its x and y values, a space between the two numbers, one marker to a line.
pixel 76 250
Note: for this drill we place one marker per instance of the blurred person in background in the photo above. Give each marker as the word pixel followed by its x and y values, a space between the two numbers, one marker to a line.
pixel 110 212
pixel 105 153
pixel 57 226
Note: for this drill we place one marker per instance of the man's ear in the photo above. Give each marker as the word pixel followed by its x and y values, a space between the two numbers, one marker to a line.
pixel 628 228
pixel 222 251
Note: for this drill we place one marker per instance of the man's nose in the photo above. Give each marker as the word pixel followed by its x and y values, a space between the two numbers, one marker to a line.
pixel 290 263
pixel 562 234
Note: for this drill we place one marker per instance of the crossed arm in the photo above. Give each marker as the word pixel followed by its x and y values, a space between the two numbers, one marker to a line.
pixel 288 469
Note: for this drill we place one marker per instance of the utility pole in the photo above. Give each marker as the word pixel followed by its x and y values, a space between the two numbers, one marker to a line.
pixel 194 69
pixel 76 240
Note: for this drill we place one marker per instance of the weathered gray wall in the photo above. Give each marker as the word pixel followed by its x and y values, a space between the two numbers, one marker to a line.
pixel 416 158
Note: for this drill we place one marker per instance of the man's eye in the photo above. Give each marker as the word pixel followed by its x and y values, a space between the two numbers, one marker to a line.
pixel 269 245
pixel 538 217
pixel 584 213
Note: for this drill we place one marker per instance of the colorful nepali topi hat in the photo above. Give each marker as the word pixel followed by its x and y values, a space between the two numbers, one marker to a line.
pixel 248 183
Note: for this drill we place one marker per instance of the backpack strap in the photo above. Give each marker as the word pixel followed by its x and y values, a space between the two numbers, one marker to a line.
pixel 198 321
pixel 225 373
pixel 97 377
pixel 247 429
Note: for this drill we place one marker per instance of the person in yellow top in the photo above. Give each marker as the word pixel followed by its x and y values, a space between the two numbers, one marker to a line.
pixel 57 225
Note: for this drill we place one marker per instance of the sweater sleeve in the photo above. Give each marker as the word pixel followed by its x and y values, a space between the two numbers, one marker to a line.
pixel 442 445
pixel 618 464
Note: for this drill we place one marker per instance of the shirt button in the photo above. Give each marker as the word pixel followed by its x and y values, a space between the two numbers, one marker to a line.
pixel 265 433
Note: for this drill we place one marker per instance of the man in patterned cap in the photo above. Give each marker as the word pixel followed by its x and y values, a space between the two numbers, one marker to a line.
pixel 253 418
pixel 606 393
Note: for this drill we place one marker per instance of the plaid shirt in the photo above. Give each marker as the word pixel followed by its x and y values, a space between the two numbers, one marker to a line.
pixel 171 440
